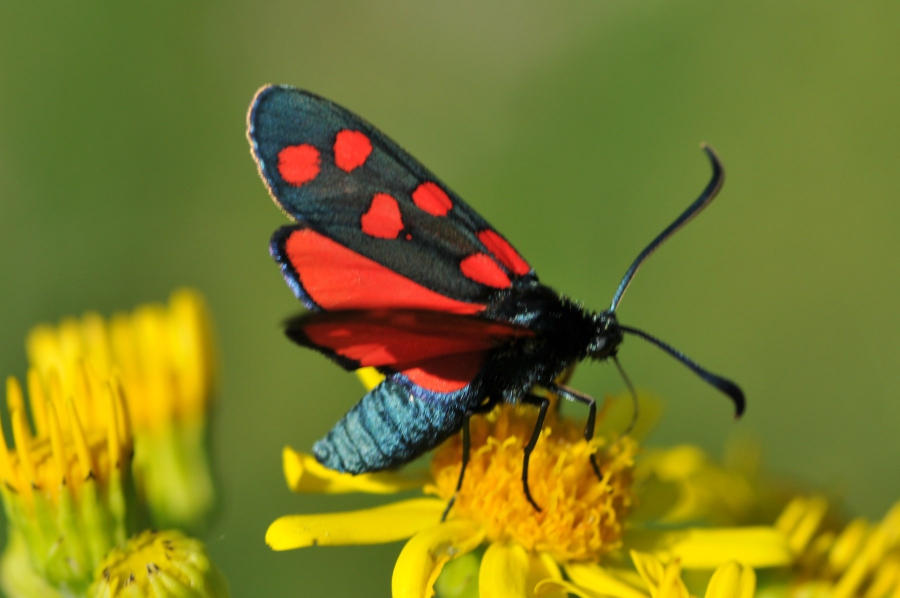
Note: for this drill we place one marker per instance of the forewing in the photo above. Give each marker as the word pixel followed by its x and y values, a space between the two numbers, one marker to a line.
pixel 327 275
pixel 346 181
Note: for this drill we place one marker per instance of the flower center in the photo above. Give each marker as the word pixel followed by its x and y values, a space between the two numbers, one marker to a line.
pixel 162 564
pixel 581 516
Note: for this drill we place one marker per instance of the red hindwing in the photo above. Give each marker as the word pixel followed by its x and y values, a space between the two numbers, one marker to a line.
pixel 398 338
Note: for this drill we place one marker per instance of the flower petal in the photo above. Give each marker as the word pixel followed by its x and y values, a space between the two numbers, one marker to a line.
pixel 304 474
pixel 732 580
pixel 421 560
pixel 504 571
pixel 606 581
pixel 800 519
pixel 542 567
pixel 459 577
pixel 700 548
pixel 663 580
pixel 650 568
pixel 672 585
pixel 552 587
pixel 509 571
pixel 387 523
pixel 370 377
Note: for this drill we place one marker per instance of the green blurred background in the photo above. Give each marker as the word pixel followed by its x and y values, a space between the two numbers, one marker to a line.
pixel 574 127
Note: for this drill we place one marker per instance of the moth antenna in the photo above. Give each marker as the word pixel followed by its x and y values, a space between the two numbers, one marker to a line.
pixel 709 193
pixel 725 386
pixel 634 397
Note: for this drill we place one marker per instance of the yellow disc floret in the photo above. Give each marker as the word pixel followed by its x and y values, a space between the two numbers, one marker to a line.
pixel 159 564
pixel 581 516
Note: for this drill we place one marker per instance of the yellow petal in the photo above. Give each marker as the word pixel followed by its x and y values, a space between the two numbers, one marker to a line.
pixel 885 579
pixel 304 474
pixel 701 548
pixel 542 567
pixel 650 568
pixel 664 581
pixel 421 560
pixel 848 544
pixel 504 571
pixel 509 571
pixel 370 377
pixel 606 581
pixel 552 587
pixel 800 520
pixel 732 580
pixel 387 523
pixel 672 586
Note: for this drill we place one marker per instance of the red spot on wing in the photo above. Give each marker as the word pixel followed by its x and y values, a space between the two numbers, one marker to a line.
pixel 351 149
pixel 336 277
pixel 503 251
pixel 298 164
pixel 481 268
pixel 447 374
pixel 430 198
pixel 401 338
pixel 382 220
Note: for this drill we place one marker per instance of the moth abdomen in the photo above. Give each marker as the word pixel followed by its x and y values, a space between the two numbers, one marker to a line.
pixel 387 428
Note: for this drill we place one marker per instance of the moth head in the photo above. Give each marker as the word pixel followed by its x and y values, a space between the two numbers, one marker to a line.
pixel 607 336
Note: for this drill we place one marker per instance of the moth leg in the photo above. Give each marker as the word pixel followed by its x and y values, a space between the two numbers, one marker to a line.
pixel 466 444
pixel 571 394
pixel 542 403
pixel 485 407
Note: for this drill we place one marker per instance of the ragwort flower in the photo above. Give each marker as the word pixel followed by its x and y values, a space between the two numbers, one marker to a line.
pixel 858 559
pixel 584 521
pixel 163 356
pixel 159 564
pixel 65 485
pixel 655 579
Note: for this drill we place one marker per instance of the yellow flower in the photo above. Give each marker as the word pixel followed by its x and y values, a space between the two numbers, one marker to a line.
pixel 683 484
pixel 655 579
pixel 163 356
pixel 583 522
pixel 65 485
pixel 159 564
pixel 861 559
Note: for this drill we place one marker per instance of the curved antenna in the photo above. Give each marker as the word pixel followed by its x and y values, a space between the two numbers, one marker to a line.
pixel 712 189
pixel 726 386
pixel 635 406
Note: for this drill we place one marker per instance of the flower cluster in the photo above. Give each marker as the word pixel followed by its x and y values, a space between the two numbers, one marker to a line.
pixel 856 559
pixel 104 400
pixel 164 361
pixel 663 523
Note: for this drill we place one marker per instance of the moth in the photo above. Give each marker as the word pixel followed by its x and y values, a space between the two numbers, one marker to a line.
pixel 400 274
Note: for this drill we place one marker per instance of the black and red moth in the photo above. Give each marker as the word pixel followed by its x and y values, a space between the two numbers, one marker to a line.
pixel 400 274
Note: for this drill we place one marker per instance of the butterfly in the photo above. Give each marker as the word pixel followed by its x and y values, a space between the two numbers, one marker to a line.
pixel 400 274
